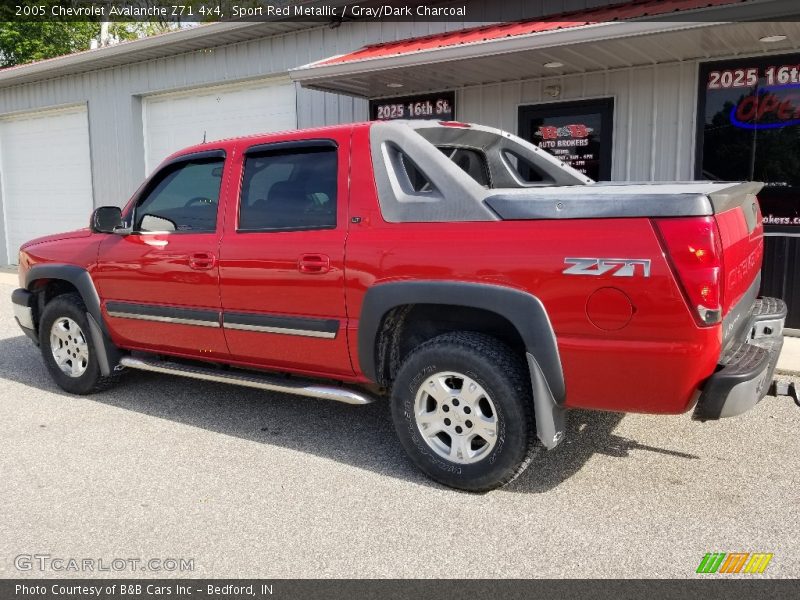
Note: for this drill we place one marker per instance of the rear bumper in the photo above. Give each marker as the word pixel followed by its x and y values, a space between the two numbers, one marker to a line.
pixel 23 301
pixel 745 370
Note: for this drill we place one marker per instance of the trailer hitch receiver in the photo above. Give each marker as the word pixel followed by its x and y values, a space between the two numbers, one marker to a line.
pixel 784 388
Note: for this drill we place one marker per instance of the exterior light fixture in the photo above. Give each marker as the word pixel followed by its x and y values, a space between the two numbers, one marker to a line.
pixel 772 39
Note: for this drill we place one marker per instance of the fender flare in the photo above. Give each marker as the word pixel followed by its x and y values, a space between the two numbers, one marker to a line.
pixel 524 311
pixel 108 354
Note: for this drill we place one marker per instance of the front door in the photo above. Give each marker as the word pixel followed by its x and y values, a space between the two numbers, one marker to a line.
pixel 160 283
pixel 282 257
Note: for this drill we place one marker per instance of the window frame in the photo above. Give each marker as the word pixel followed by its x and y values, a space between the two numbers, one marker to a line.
pixel 286 148
pixel 157 177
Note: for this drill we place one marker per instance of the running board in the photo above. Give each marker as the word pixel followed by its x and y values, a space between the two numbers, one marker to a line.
pixel 253 380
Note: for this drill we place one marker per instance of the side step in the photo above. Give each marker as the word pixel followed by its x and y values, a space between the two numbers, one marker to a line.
pixel 253 380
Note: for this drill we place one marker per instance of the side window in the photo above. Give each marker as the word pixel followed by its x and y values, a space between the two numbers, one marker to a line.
pixel 471 161
pixel 418 181
pixel 185 198
pixel 522 168
pixel 289 190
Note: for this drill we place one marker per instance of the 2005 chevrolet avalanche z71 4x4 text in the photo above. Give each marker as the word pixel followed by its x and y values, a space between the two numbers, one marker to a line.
pixel 479 283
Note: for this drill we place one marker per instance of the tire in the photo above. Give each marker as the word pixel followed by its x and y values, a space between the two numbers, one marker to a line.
pixel 77 370
pixel 476 392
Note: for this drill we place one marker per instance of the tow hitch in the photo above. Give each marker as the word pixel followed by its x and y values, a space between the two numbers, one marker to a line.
pixel 784 388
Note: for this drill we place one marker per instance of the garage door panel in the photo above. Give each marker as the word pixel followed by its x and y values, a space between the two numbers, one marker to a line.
pixel 175 121
pixel 45 173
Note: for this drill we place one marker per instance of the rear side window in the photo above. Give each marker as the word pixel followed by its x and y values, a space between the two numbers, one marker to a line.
pixel 522 168
pixel 289 190
pixel 184 198
pixel 417 180
pixel 472 162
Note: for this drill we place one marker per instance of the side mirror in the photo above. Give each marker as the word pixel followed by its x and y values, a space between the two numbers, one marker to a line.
pixel 106 219
pixel 155 224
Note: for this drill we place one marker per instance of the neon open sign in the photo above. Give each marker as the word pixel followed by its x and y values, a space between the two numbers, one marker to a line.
pixel 769 108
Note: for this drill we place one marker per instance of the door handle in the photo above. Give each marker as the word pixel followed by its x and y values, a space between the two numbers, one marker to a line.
pixel 201 261
pixel 314 264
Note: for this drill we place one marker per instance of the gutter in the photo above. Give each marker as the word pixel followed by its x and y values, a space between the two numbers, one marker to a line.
pixel 760 10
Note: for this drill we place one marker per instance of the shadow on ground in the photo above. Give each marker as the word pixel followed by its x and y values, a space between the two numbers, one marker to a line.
pixel 361 436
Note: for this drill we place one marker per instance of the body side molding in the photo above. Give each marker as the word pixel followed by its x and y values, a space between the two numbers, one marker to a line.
pixel 165 314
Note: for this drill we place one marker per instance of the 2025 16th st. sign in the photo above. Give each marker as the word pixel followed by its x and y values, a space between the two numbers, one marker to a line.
pixel 439 106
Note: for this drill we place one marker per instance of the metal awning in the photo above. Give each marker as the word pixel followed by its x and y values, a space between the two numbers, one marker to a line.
pixel 624 35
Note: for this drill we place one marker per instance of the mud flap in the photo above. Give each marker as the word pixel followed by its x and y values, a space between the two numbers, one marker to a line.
pixel 550 417
pixel 108 355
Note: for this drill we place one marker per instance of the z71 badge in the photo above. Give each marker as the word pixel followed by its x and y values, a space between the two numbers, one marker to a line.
pixel 618 267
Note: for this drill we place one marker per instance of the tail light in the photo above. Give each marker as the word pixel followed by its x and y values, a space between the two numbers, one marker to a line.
pixel 694 251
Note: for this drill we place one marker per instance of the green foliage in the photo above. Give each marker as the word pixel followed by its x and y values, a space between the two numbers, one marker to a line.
pixel 41 37
pixel 22 42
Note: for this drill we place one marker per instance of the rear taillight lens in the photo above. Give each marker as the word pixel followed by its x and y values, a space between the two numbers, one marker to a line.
pixel 694 251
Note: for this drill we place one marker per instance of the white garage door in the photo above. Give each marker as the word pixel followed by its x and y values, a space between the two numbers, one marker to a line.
pixel 174 121
pixel 45 174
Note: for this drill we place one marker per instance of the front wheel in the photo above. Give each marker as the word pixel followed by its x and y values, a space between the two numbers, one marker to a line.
pixel 463 411
pixel 67 347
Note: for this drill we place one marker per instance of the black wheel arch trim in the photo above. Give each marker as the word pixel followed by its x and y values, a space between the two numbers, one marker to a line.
pixel 524 311
pixel 108 353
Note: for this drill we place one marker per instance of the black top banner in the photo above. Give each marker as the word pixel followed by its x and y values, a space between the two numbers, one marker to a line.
pixel 333 11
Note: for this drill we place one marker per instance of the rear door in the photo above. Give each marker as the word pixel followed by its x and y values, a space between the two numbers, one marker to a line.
pixel 282 256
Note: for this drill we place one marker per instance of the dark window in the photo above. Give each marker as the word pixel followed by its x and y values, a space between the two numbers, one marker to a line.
pixel 525 171
pixel 289 190
pixel 578 133
pixel 749 128
pixel 472 162
pixel 419 182
pixel 183 198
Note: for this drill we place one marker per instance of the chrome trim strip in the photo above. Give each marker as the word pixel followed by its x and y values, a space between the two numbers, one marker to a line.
pixel 280 330
pixel 174 320
pixel 253 380
pixel 780 234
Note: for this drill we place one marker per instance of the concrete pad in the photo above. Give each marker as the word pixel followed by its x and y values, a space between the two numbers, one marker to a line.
pixel 8 278
pixel 789 361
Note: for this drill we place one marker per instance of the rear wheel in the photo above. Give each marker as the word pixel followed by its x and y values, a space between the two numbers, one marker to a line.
pixel 67 346
pixel 462 408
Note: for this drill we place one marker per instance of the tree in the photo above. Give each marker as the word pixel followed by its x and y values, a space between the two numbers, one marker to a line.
pixel 22 42
pixel 38 38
